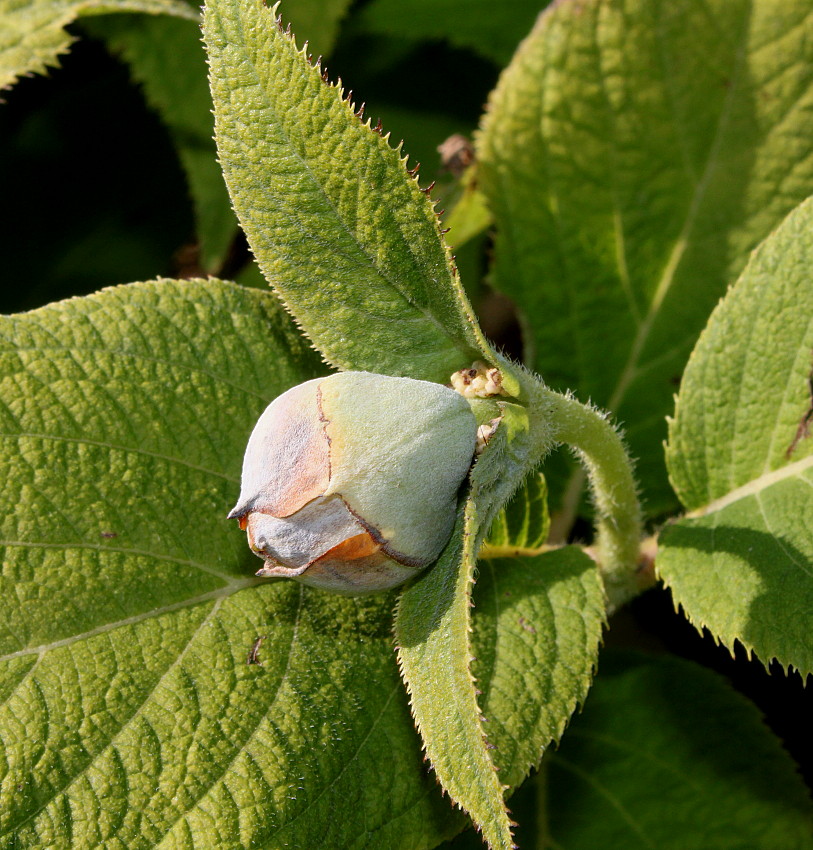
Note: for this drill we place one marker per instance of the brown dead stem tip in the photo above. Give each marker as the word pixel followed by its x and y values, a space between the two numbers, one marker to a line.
pixel 360 111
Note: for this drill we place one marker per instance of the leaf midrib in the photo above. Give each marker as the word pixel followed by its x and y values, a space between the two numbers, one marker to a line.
pixel 604 792
pixel 220 593
pixel 669 273
pixel 755 486
pixel 115 447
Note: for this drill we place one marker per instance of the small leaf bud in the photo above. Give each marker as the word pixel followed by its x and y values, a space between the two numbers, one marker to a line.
pixel 478 381
pixel 350 482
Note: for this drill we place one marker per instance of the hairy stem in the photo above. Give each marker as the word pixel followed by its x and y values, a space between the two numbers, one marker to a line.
pixel 609 470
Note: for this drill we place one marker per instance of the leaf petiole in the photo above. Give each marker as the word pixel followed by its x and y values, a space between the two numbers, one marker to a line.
pixel 557 418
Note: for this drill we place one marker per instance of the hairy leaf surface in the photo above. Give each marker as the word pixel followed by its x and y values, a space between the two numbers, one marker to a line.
pixel 433 632
pixel 667 755
pixel 539 622
pixel 129 714
pixel 338 226
pixel 634 153
pixel 32 32
pixel 740 456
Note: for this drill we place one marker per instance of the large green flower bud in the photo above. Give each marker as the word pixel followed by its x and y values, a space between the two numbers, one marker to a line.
pixel 350 482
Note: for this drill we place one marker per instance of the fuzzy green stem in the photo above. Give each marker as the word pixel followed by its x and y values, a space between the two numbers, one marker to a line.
pixel 609 469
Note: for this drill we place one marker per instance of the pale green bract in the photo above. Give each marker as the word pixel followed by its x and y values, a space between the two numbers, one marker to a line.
pixel 740 456
pixel 633 154
pixel 338 226
pixel 432 630
pixel 32 32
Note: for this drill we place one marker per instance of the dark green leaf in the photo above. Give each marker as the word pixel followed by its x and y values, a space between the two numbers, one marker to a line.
pixel 667 756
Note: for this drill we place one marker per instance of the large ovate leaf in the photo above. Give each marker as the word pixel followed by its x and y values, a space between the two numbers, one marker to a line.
pixel 32 32
pixel 634 153
pixel 666 755
pixel 129 715
pixel 340 229
pixel 491 29
pixel 740 456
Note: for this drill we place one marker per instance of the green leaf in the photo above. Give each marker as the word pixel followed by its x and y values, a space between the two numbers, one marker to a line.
pixel 666 755
pixel 338 226
pixel 740 456
pixel 167 58
pixel 432 632
pixel 492 29
pixel 633 154
pixel 523 524
pixel 129 714
pixel 32 33
pixel 470 216
pixel 538 623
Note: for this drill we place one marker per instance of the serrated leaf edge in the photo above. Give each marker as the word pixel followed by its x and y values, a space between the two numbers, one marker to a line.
pixel 357 112
pixel 467 561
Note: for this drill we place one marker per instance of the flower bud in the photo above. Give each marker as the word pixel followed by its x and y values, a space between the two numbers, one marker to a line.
pixel 350 482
